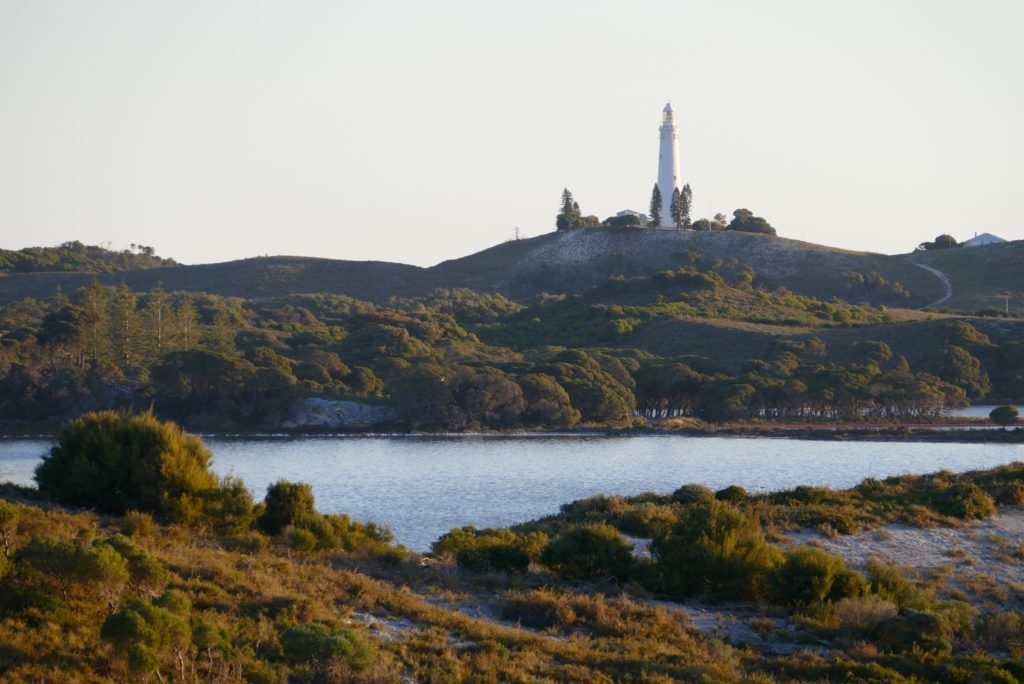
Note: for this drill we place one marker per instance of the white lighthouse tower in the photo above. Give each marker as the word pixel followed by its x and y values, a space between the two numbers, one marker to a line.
pixel 669 177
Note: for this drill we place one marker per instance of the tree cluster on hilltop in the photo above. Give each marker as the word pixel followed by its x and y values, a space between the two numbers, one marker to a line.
pixel 75 256
pixel 680 207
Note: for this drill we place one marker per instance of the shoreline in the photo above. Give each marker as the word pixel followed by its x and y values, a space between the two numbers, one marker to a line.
pixel 944 432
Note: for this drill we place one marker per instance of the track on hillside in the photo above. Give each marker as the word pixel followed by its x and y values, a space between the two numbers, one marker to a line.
pixel 945 281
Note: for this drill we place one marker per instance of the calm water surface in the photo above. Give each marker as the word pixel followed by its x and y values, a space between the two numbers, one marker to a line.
pixel 423 486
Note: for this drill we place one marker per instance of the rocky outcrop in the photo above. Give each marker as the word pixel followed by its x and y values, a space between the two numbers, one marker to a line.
pixel 319 412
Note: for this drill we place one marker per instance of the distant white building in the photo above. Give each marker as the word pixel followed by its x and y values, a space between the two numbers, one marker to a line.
pixel 630 212
pixel 669 176
pixel 983 239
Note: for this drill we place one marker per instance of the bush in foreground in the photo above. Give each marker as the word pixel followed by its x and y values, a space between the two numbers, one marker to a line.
pixel 115 462
pixel 719 552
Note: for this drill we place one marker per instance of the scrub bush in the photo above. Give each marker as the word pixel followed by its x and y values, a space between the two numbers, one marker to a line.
pixel 116 462
pixel 588 552
pixel 810 575
pixel 692 493
pixel 285 503
pixel 718 552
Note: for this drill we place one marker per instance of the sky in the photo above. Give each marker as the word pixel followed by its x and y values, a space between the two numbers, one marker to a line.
pixel 423 131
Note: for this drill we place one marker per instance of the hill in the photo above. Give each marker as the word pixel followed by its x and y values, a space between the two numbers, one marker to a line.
pixel 982 277
pixel 564 262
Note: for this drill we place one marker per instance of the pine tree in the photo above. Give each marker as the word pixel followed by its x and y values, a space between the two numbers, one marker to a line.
pixel 655 220
pixel 125 327
pixel 676 207
pixel 186 323
pixel 95 322
pixel 564 219
pixel 686 201
pixel 156 317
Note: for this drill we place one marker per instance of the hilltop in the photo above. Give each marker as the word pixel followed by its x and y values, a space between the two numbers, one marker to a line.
pixel 569 262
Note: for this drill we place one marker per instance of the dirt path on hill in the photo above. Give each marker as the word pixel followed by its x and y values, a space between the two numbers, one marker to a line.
pixel 945 281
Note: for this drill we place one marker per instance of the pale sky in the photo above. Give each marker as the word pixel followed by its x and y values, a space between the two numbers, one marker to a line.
pixel 422 131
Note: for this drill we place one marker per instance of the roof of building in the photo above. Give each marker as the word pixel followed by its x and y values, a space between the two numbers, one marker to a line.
pixel 982 239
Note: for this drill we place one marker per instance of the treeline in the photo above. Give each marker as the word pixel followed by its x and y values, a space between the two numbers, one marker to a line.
pixel 457 360
pixel 78 257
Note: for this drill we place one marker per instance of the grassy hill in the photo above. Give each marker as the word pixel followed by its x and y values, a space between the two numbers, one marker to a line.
pixel 572 262
pixel 981 276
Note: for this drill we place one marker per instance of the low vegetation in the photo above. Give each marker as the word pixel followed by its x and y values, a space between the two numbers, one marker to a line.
pixel 290 594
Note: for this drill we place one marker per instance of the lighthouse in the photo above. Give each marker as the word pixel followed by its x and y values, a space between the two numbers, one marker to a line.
pixel 669 177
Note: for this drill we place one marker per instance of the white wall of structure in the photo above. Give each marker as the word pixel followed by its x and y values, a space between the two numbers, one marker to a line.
pixel 669 176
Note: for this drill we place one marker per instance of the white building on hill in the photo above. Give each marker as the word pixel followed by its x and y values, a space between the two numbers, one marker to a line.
pixel 983 239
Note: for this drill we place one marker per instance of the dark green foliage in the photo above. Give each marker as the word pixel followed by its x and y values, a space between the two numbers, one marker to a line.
pixel 589 551
pixel 490 548
pixel 940 242
pixel 655 210
pixel 718 552
pixel 959 367
pixel 732 493
pixel 72 567
pixel 809 575
pixel 692 494
pixel 915 631
pixel 150 635
pixel 967 501
pixel 317 644
pixel 744 220
pixel 1004 415
pixel 146 574
pixel 496 556
pixel 888 582
pixel 116 462
pixel 569 215
pixel 285 503
pixel 547 402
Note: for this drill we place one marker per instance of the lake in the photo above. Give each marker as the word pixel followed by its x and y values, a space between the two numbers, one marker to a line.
pixel 423 486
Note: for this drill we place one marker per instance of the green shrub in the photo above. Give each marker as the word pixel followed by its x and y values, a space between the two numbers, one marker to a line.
pixel 115 462
pixel 887 582
pixel 692 493
pixel 915 630
pixel 496 556
pixel 318 644
pixel 647 520
pixel 321 528
pixel 718 552
pixel 302 540
pixel 138 524
pixel 1012 494
pixel 67 566
pixel 966 501
pixel 810 575
pixel 250 542
pixel 732 493
pixel 500 549
pixel 589 551
pixel 146 574
pixel 285 503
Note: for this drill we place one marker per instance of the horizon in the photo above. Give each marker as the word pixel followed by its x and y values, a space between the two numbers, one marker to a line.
pixel 223 131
